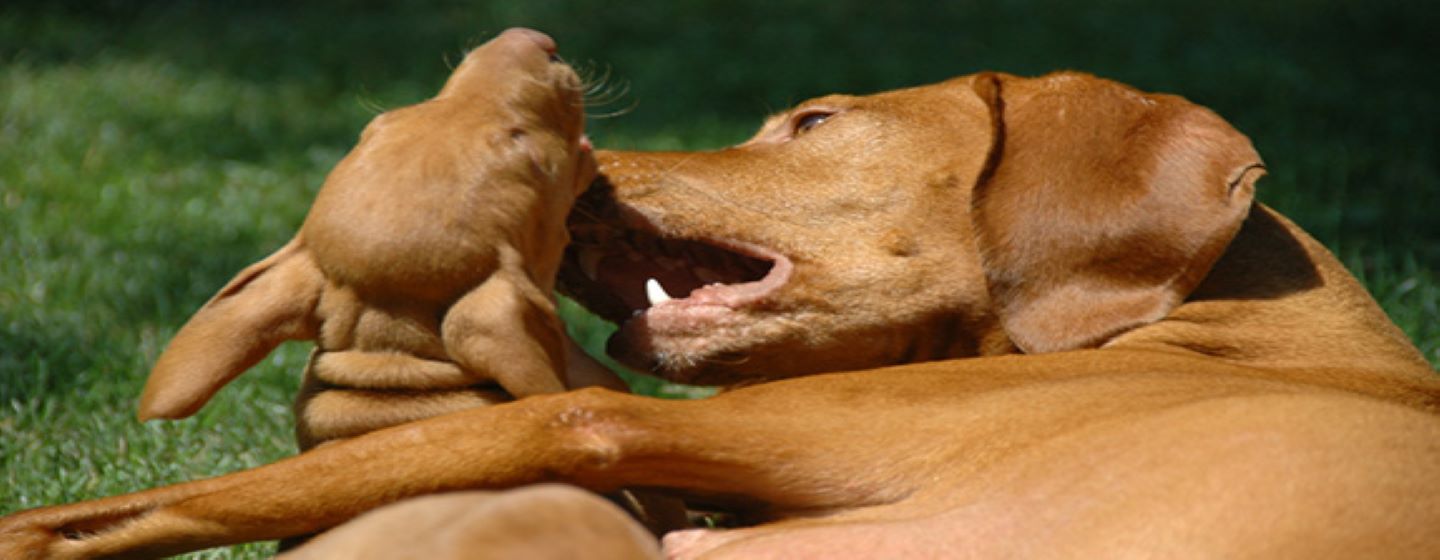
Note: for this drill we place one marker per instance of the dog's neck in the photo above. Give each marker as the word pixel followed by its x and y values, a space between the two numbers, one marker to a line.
pixel 1278 299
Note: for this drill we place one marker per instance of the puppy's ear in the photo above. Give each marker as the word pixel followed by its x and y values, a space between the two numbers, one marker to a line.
pixel 507 330
pixel 1101 207
pixel 269 302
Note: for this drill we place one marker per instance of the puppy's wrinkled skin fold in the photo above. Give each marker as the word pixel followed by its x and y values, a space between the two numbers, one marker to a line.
pixel 425 267
pixel 1016 318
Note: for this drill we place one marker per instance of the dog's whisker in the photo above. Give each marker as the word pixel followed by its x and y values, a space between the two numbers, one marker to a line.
pixel 736 360
pixel 678 181
pixel 586 213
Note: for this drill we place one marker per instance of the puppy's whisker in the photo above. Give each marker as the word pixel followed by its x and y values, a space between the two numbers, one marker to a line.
pixel 474 43
pixel 608 88
pixel 587 72
pixel 616 113
pixel 593 89
pixel 595 85
pixel 611 93
pixel 368 102
pixel 601 90
pixel 608 98
pixel 470 44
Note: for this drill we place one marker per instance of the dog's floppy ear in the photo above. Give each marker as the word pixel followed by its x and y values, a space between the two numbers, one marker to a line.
pixel 268 303
pixel 1100 207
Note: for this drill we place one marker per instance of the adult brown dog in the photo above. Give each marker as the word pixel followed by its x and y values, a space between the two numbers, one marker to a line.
pixel 1098 347
pixel 425 268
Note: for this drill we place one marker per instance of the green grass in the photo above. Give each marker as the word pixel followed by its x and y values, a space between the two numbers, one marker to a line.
pixel 149 150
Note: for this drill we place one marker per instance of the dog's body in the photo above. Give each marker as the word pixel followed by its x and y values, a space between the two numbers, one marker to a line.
pixel 425 268
pixel 1097 346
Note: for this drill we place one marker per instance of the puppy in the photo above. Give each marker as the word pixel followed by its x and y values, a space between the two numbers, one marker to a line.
pixel 425 268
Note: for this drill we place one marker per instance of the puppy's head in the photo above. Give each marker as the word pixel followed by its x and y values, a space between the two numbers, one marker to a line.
pixel 419 211
pixel 980 215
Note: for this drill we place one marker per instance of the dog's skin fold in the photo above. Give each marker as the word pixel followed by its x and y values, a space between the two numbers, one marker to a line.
pixel 1017 317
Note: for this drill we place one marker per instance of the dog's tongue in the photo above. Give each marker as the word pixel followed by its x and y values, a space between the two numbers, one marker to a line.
pixel 585 145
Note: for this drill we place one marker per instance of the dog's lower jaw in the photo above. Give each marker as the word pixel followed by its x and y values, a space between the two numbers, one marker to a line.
pixel 761 345
pixel 706 351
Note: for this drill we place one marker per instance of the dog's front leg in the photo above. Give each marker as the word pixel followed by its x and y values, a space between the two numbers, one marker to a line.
pixel 495 447
pixel 598 439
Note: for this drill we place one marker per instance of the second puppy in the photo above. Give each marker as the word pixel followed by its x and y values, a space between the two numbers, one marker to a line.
pixel 425 268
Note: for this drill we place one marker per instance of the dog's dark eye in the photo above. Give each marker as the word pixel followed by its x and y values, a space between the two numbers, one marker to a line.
pixel 808 121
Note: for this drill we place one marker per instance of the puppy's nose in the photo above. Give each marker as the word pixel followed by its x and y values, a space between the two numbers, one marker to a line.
pixel 540 39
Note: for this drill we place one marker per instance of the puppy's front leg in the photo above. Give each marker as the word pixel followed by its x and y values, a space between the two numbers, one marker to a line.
pixel 507 329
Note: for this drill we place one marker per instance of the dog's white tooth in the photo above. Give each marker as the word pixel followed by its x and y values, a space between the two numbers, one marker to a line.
pixel 590 263
pixel 655 292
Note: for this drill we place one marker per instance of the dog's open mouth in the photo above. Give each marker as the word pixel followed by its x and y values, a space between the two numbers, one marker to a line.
pixel 622 267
